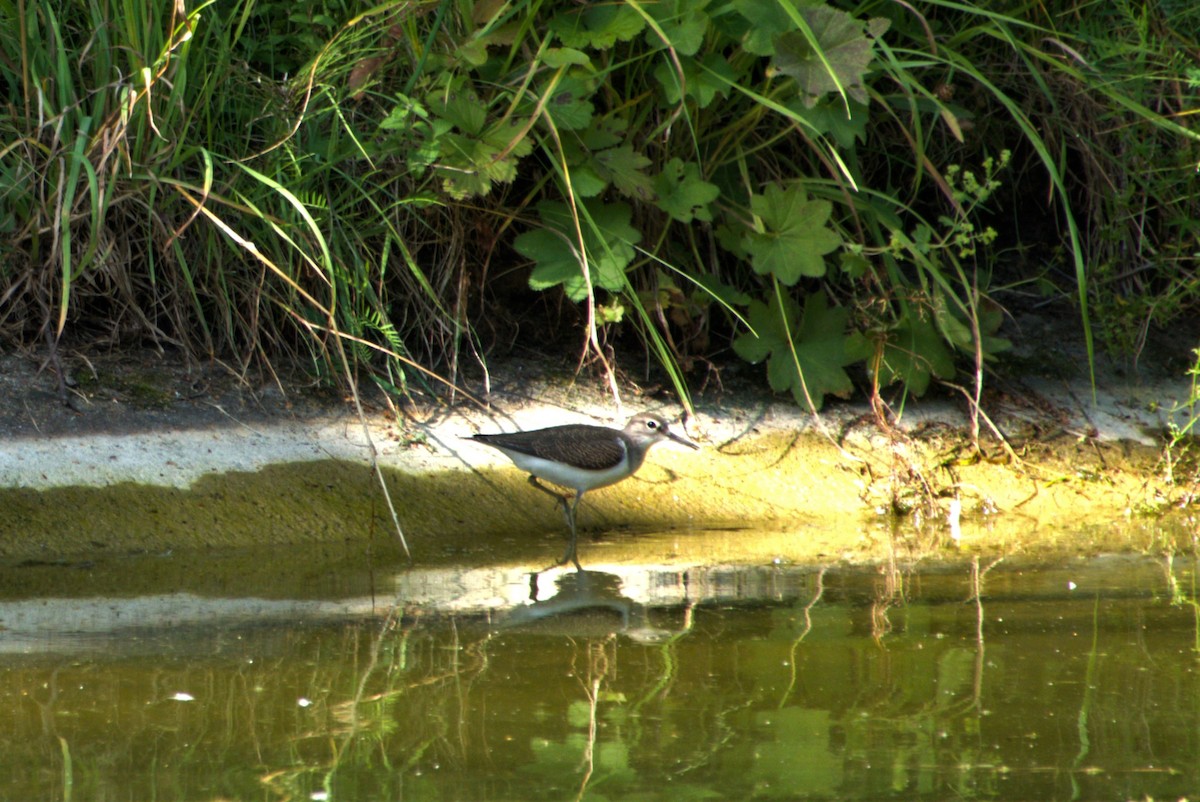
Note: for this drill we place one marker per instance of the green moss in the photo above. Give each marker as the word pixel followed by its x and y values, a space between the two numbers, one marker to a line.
pixel 142 389
pixel 787 497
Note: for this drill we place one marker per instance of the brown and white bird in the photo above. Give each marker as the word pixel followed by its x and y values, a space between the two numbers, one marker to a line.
pixel 583 457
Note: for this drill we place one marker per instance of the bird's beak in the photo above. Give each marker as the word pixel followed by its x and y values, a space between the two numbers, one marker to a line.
pixel 682 439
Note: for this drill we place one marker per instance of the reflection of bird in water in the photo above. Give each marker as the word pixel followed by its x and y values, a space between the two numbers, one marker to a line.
pixel 585 604
pixel 583 457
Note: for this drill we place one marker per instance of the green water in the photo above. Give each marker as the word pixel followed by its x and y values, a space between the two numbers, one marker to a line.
pixel 371 682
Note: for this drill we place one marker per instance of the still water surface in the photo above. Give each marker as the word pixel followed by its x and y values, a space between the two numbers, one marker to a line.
pixel 1078 681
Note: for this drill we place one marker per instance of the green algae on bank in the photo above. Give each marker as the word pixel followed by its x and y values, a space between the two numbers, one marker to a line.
pixel 777 497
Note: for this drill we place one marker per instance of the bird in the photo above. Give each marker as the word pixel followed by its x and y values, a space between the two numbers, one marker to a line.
pixel 582 457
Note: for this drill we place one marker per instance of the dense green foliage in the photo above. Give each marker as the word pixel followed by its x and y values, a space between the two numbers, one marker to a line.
pixel 834 190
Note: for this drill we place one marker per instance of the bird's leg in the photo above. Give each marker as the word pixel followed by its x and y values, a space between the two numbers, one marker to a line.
pixel 558 497
pixel 570 553
pixel 569 513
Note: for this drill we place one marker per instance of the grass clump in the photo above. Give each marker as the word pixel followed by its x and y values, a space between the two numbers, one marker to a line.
pixel 824 188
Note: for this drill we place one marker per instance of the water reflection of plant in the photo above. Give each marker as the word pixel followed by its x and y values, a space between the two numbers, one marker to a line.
pixel 1086 703
pixel 409 710
pixel 367 730
pixel 600 655
pixel 1184 597
pixel 891 731
pixel 984 683
pixel 806 616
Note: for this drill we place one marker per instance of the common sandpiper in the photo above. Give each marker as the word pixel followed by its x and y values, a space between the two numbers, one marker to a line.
pixel 583 457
